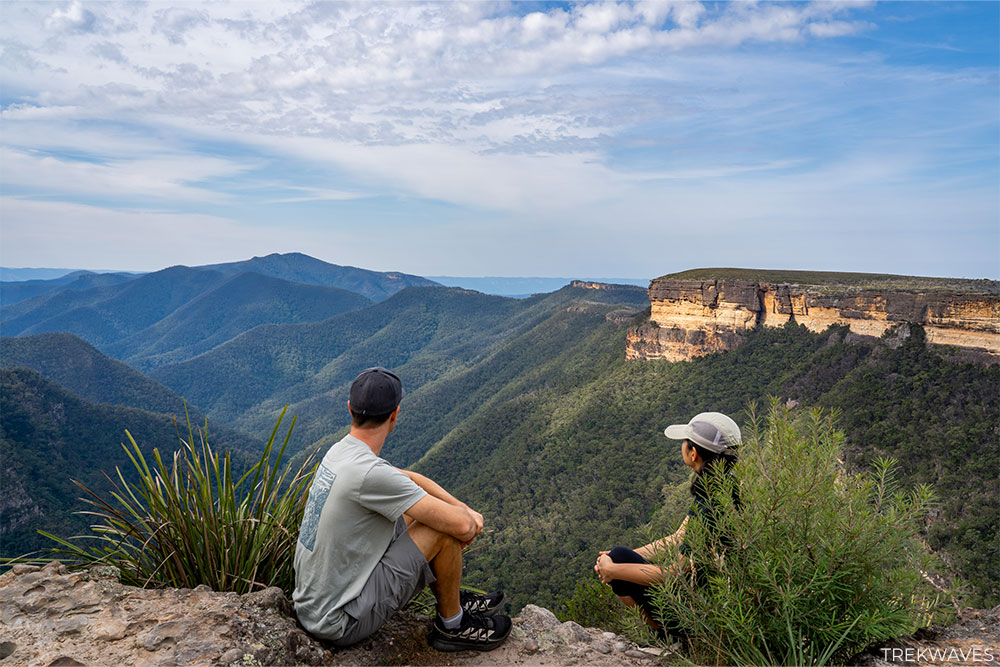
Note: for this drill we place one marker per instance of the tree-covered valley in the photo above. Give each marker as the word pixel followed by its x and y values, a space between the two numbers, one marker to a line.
pixel 525 408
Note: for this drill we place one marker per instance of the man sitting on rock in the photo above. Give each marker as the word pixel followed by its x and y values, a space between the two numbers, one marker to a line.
pixel 373 536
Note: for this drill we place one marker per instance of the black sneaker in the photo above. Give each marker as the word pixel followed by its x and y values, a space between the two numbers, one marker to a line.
pixel 478 603
pixel 476 633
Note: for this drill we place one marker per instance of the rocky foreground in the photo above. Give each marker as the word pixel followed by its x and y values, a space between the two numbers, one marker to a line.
pixel 52 616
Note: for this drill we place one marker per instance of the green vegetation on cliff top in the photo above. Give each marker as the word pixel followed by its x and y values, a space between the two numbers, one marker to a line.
pixel 830 280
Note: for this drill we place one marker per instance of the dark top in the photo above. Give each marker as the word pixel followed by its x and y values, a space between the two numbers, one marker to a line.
pixel 703 509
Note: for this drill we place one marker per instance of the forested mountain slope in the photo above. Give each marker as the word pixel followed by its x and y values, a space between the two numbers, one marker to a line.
pixel 425 334
pixel 570 458
pixel 48 436
pixel 175 314
pixel 237 305
pixel 77 366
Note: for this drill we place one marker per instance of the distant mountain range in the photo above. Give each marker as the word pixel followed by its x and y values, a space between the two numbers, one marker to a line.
pixel 299 268
pixel 293 267
pixel 309 270
pixel 13 292
pixel 179 312
pixel 524 287
pixel 11 274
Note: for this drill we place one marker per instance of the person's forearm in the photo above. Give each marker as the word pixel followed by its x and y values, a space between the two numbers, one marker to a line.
pixel 647 575
pixel 638 573
pixel 433 488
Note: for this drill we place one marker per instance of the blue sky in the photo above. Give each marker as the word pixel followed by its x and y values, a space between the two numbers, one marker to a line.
pixel 598 139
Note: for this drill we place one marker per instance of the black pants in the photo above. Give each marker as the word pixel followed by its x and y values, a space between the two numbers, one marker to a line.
pixel 641 594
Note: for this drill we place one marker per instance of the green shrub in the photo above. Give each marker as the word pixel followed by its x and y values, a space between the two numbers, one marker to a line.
pixel 191 523
pixel 814 565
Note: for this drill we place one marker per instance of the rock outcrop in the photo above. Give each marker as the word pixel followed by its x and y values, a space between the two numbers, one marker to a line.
pixel 691 318
pixel 590 284
pixel 52 616
pixel 972 640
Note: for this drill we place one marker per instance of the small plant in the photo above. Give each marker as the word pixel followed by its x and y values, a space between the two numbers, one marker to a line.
pixel 191 523
pixel 812 565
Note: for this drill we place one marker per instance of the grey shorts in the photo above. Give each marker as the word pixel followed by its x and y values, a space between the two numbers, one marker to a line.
pixel 399 576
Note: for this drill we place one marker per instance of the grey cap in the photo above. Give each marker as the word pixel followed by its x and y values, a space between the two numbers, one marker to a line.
pixel 712 430
pixel 375 392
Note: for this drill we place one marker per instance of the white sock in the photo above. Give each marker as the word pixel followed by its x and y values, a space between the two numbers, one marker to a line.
pixel 453 622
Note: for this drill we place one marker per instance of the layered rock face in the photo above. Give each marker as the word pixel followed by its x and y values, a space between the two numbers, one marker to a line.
pixel 691 318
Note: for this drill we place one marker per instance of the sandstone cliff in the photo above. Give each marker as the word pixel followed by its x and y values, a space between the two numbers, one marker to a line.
pixel 694 317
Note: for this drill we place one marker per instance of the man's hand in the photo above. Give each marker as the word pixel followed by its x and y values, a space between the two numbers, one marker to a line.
pixel 477 519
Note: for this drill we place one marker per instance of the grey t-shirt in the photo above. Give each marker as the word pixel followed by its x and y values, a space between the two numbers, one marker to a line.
pixel 349 521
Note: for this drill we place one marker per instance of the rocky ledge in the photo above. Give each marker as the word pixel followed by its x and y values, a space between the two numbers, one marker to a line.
pixel 52 616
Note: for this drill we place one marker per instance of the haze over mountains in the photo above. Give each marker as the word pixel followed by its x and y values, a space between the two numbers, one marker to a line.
pixel 526 408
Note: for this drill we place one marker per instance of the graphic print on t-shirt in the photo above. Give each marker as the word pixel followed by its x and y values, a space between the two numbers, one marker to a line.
pixel 322 483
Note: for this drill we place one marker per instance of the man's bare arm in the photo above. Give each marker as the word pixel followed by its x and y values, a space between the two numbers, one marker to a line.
pixel 435 489
pixel 432 487
pixel 446 518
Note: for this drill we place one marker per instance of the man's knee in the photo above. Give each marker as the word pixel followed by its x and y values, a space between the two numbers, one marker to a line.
pixel 432 542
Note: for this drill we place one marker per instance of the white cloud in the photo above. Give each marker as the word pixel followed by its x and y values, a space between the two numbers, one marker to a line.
pixel 166 177
pixel 72 18
pixel 313 194
pixel 459 175
pixel 304 59
pixel 838 28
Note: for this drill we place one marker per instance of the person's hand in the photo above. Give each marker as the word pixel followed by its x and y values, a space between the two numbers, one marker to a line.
pixel 602 553
pixel 478 519
pixel 603 567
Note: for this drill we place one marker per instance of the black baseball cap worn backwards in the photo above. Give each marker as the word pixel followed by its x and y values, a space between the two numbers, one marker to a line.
pixel 375 392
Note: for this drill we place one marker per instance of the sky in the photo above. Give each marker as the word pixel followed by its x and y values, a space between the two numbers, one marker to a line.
pixel 628 139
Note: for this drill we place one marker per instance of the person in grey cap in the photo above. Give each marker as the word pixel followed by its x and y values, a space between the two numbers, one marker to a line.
pixel 710 439
pixel 373 536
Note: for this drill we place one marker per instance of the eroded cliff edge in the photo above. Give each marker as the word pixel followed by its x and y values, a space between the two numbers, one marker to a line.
pixel 694 317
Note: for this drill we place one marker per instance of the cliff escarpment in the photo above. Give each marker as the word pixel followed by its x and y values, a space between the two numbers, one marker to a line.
pixel 694 317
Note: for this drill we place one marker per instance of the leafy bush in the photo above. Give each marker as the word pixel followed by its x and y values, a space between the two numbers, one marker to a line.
pixel 815 563
pixel 191 523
